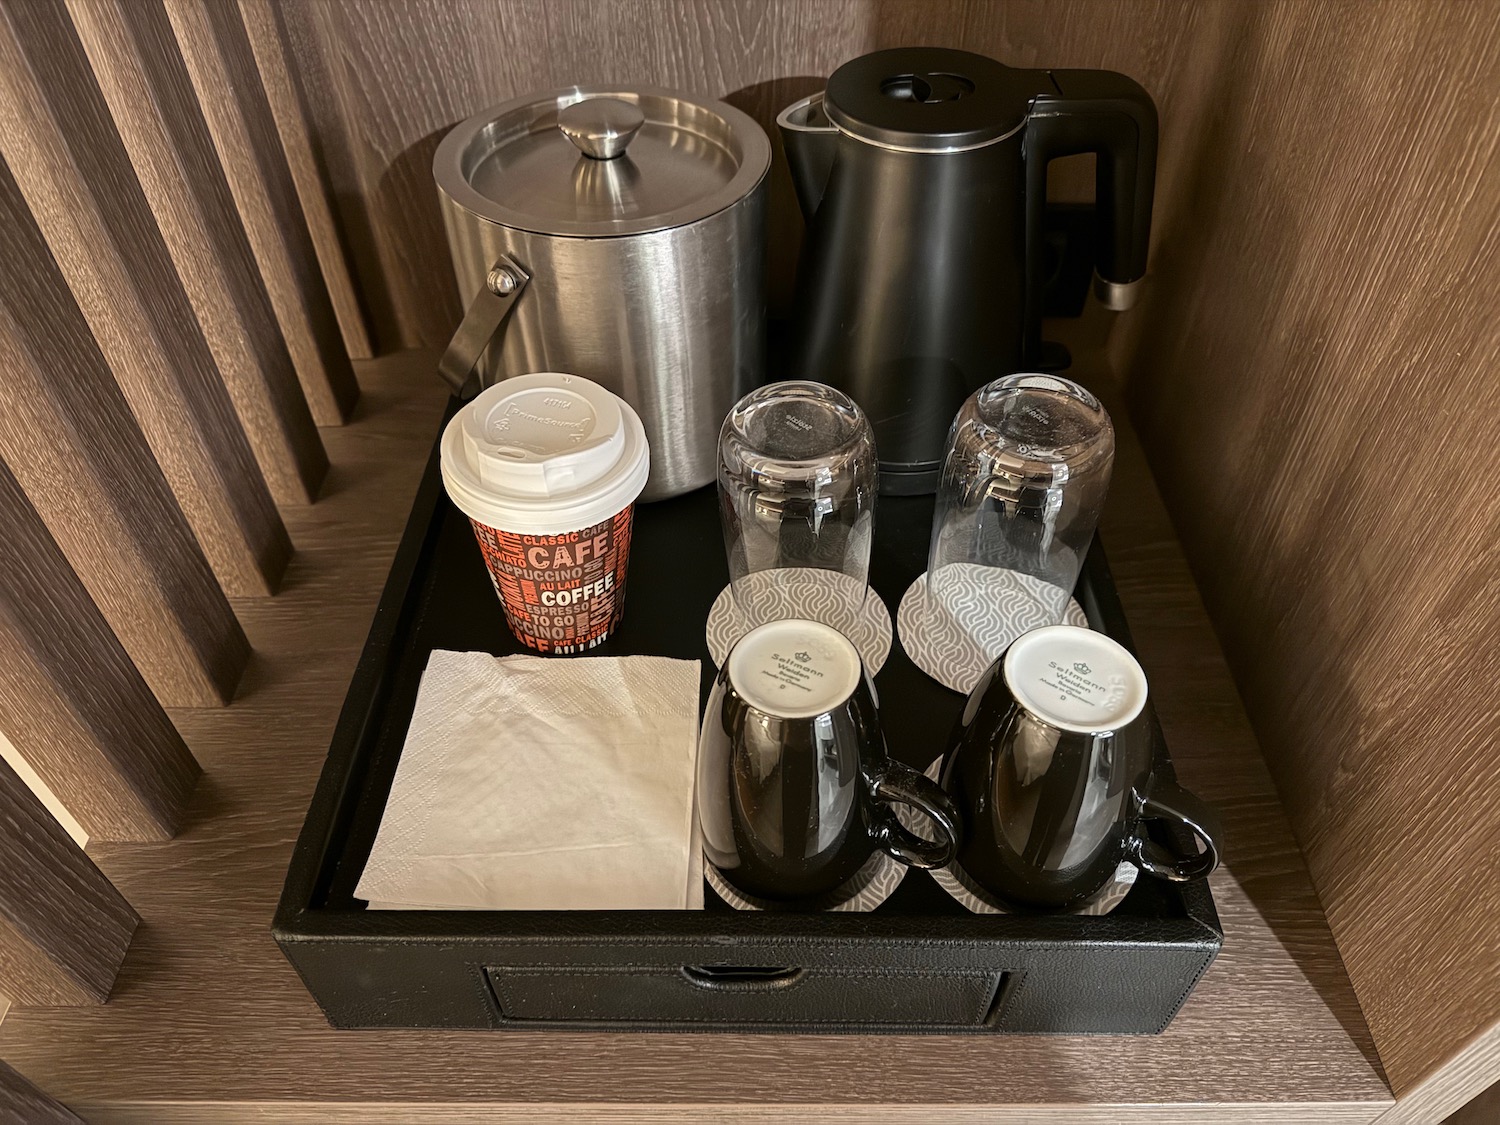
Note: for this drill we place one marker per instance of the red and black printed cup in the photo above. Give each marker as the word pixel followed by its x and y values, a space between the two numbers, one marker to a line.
pixel 547 467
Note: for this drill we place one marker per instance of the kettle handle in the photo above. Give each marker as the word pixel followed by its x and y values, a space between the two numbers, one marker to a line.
pixel 1109 114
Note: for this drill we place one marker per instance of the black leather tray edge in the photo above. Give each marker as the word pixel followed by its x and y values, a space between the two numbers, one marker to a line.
pixel 1127 972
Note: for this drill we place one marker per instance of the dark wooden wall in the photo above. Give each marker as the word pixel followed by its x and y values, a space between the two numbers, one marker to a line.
pixel 1317 377
pixel 1314 371
pixel 384 82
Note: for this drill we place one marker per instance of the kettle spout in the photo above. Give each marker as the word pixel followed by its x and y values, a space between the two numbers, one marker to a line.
pixel 810 143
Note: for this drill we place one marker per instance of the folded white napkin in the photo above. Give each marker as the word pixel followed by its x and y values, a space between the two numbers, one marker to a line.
pixel 534 784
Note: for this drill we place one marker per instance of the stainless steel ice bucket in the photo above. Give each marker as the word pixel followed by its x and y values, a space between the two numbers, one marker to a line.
pixel 619 234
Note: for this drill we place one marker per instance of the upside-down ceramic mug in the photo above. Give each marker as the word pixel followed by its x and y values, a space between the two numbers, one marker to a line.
pixel 795 789
pixel 1052 775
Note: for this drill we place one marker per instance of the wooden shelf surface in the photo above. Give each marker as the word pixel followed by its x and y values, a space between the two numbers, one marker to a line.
pixel 209 1022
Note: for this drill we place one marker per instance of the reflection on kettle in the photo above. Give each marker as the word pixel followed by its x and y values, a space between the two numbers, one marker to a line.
pixel 921 173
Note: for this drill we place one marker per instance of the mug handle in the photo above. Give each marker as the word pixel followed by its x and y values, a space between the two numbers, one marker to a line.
pixel 897 782
pixel 1169 801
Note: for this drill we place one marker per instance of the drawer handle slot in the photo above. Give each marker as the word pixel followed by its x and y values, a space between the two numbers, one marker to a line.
pixel 742 978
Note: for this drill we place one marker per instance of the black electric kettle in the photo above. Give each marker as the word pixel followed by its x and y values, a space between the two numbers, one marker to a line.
pixel 921 173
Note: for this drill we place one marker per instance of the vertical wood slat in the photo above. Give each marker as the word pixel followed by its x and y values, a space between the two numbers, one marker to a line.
pixel 143 81
pixel 72 702
pixel 69 437
pixel 20 1101
pixel 55 808
pixel 267 35
pixel 57 138
pixel 64 928
pixel 214 45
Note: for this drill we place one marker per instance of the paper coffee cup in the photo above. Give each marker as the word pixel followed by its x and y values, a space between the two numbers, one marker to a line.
pixel 547 467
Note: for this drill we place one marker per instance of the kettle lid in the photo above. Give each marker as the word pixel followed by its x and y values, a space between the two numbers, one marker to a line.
pixel 931 99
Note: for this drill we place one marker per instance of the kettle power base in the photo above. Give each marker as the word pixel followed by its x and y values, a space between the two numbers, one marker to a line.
pixel 919 962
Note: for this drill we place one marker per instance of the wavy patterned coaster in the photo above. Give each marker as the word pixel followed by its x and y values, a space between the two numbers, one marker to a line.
pixel 983 608
pixel 871 885
pixel 826 596
pixel 974 898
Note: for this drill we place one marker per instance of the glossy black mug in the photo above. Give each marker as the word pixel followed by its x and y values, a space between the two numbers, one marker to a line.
pixel 1051 770
pixel 795 789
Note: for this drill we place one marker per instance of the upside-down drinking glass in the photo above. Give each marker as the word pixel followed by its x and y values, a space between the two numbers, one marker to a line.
pixel 1024 478
pixel 797 484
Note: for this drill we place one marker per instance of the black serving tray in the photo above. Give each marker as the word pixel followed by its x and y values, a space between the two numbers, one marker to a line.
pixel 919 962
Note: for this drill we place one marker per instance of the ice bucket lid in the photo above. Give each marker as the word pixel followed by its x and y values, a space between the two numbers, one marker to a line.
pixel 602 161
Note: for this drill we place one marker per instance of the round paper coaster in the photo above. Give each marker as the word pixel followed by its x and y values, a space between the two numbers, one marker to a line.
pixel 982 611
pixel 866 889
pixel 825 596
pixel 974 898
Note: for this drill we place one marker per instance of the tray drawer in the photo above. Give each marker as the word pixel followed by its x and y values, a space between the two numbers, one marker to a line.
pixel 739 994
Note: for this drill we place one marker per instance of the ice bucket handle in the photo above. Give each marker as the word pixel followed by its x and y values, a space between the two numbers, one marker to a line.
pixel 484 319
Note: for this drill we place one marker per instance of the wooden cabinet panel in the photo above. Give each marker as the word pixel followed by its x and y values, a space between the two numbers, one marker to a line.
pixel 21 1101
pixel 61 146
pixel 267 36
pixel 1314 373
pixel 1272 1033
pixel 70 699
pixel 386 81
pixel 1312 369
pixel 219 59
pixel 63 928
pixel 68 435
pixel 142 77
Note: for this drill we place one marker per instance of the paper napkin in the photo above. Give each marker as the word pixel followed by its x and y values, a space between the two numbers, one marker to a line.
pixel 543 784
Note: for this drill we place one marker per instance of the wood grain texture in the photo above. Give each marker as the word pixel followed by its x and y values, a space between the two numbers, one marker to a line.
pixel 63 928
pixel 1324 280
pixel 69 437
pixel 1272 1033
pixel 55 808
pixel 23 1103
pixel 384 82
pixel 214 46
pixel 267 37
pixel 62 149
pixel 564 1113
pixel 141 75
pixel 71 700
pixel 1483 1110
pixel 1450 1089
pixel 1314 373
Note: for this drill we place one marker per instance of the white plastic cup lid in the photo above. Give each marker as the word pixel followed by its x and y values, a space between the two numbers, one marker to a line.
pixel 1075 679
pixel 545 453
pixel 794 669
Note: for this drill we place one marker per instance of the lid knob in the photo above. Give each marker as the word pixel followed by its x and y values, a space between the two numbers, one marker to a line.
pixel 601 127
